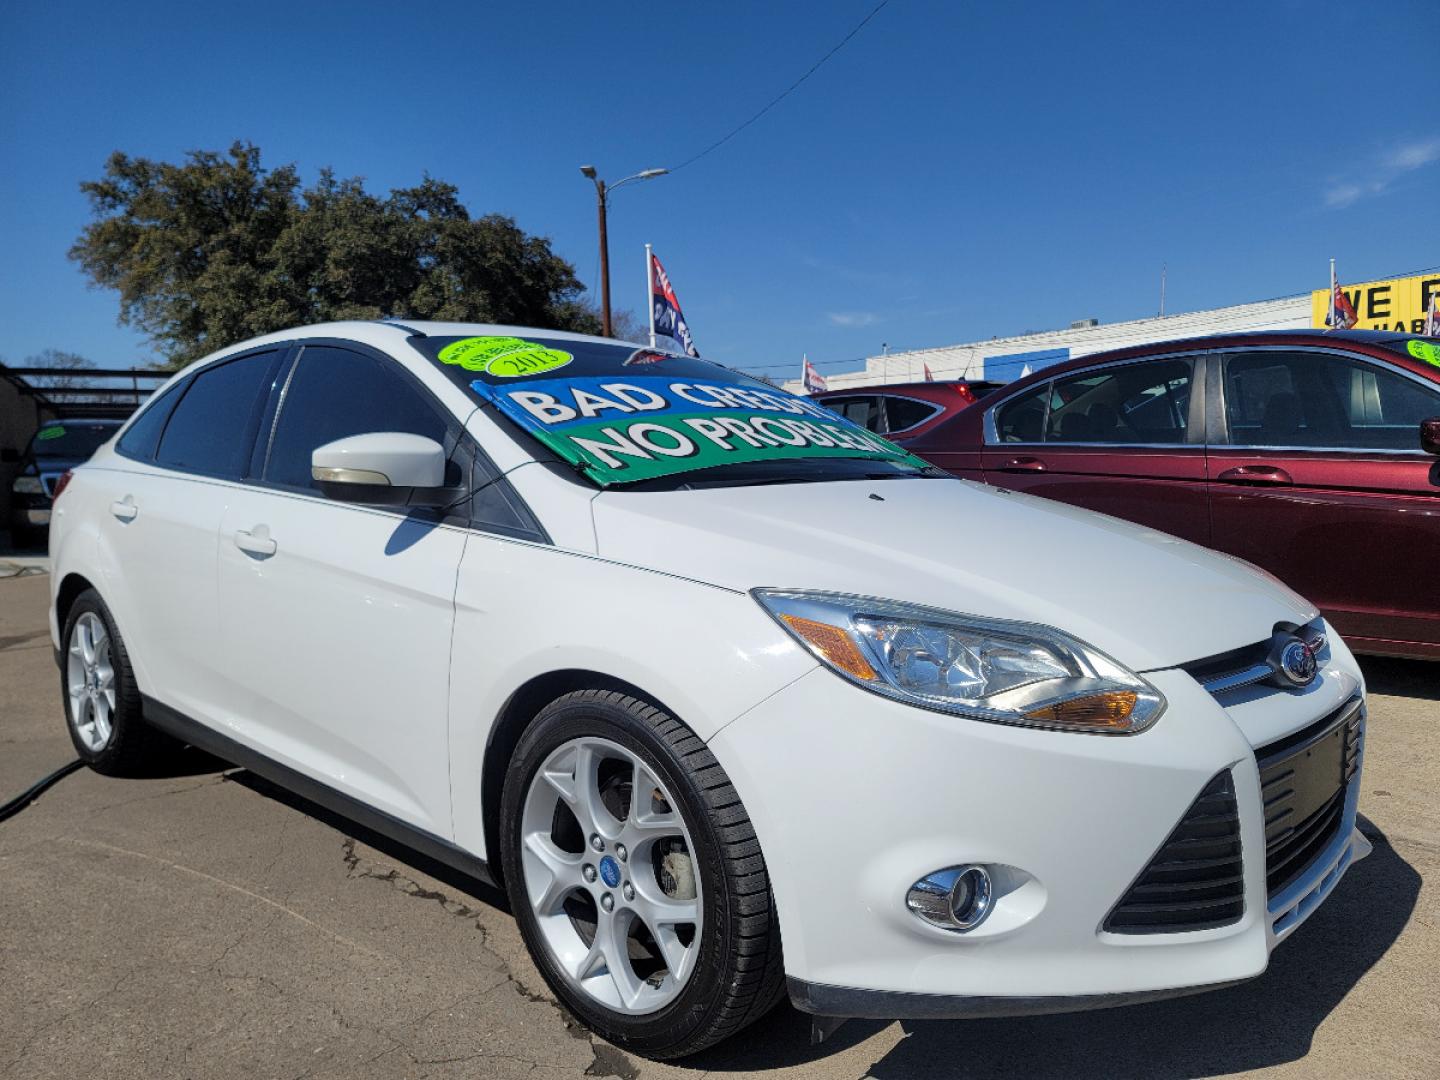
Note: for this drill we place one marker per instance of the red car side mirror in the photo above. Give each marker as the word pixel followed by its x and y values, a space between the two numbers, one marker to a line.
pixel 1430 435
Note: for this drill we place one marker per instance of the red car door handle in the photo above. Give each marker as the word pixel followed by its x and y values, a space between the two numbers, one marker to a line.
pixel 1023 464
pixel 1255 474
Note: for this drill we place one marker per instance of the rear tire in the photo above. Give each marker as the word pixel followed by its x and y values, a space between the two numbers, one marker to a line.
pixel 103 709
pixel 728 972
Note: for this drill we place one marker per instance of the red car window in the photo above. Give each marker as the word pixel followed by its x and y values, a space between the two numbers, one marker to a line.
pixel 1301 399
pixel 1134 404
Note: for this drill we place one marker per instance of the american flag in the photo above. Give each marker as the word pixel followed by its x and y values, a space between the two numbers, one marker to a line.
pixel 1342 313
pixel 813 380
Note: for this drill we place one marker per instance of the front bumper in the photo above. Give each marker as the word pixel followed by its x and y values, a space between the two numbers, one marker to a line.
pixel 854 797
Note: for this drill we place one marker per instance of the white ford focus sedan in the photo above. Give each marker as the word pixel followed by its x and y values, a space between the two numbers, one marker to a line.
pixel 694 668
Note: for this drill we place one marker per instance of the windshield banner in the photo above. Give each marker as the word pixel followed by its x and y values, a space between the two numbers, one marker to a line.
pixel 621 414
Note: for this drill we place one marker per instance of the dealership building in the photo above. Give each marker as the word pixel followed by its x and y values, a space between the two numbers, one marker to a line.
pixel 1391 304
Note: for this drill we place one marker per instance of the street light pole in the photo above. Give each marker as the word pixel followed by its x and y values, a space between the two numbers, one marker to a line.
pixel 602 192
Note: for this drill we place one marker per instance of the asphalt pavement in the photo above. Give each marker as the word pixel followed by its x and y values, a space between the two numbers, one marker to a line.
pixel 206 924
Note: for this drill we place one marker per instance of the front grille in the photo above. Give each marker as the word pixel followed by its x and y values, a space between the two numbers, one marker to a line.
pixel 1303 782
pixel 1215 668
pixel 1255 663
pixel 1196 881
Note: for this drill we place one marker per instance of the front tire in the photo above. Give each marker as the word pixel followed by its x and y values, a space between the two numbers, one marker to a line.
pixel 103 710
pixel 636 877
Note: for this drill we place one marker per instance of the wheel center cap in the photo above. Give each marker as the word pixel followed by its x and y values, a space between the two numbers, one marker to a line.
pixel 610 871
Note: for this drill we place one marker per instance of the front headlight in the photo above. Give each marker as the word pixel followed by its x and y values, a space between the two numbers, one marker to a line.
pixel 27 485
pixel 986 669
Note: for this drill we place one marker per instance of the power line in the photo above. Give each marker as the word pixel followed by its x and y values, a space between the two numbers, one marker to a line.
pixel 814 68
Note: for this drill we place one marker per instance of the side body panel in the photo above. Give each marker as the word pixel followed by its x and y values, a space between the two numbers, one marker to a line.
pixel 526 610
pixel 336 647
pixel 1163 488
pixel 1161 485
pixel 1353 530
pixel 158 574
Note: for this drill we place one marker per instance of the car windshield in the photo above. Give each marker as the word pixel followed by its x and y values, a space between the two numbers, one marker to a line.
pixel 622 415
pixel 70 441
pixel 1426 349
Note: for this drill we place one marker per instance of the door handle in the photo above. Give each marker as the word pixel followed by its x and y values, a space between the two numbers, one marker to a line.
pixel 1023 464
pixel 256 542
pixel 1255 474
pixel 125 509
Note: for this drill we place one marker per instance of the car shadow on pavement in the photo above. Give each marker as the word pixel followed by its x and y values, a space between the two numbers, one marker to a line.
pixel 1268 1021
pixel 455 879
pixel 189 761
pixel 1401 678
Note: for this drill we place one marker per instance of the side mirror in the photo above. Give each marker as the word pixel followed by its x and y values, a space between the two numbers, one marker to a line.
pixel 1430 435
pixel 383 468
pixel 9 456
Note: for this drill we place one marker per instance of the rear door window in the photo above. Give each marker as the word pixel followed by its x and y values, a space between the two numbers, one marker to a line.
pixel 1022 419
pixel 212 428
pixel 1131 404
pixel 864 411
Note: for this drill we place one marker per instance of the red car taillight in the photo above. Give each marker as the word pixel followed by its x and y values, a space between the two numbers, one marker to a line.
pixel 966 393
pixel 61 484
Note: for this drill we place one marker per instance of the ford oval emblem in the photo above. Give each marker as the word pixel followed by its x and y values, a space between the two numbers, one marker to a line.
pixel 610 871
pixel 1297 662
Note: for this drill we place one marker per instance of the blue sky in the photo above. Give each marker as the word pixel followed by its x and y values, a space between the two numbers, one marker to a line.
pixel 957 171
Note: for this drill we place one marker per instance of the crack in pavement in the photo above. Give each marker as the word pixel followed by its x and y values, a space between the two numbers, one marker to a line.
pixel 66 1016
pixel 209 782
pixel 607 1060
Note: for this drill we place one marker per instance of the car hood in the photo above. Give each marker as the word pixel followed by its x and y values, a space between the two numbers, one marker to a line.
pixel 1147 599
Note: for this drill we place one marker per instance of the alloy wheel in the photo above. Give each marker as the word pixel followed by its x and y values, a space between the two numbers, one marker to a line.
pixel 610 876
pixel 90 681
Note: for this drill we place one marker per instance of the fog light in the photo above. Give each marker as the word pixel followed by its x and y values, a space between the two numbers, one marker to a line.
pixel 957 898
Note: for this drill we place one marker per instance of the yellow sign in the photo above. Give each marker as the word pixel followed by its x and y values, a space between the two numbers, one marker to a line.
pixel 1396 304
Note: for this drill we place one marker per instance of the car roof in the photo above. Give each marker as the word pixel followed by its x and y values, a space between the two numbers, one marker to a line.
pixel 380 332
pixel 1304 336
pixel 917 384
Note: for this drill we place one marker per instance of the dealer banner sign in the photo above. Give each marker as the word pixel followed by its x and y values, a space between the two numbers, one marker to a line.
pixel 1398 304
pixel 622 414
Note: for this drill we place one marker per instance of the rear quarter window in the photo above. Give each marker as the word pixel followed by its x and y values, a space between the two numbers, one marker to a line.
pixel 904 413
pixel 142 437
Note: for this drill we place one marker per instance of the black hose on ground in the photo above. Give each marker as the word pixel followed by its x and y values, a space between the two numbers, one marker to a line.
pixel 25 798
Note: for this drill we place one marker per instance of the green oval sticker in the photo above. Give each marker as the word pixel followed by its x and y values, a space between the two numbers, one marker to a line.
pixel 1423 350
pixel 55 432
pixel 503 357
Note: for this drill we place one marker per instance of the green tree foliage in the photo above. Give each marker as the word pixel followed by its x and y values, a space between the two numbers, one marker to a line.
pixel 220 249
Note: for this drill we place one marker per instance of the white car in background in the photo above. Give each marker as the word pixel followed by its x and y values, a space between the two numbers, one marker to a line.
pixel 685 662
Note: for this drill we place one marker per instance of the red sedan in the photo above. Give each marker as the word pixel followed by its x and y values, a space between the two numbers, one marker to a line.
pixel 905 410
pixel 1311 454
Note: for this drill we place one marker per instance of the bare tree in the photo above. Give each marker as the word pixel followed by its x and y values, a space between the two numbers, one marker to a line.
pixel 625 324
pixel 69 368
